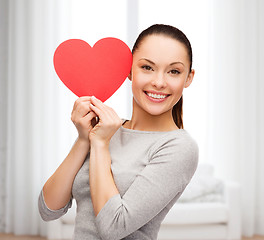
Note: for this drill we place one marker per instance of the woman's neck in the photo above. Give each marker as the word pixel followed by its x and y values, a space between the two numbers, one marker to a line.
pixel 144 121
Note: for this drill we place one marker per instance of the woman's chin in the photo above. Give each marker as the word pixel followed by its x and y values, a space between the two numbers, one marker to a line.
pixel 155 111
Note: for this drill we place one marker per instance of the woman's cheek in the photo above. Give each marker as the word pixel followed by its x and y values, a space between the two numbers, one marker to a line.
pixel 145 78
pixel 177 83
pixel 140 80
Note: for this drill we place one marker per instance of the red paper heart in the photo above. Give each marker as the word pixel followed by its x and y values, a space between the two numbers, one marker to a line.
pixel 99 70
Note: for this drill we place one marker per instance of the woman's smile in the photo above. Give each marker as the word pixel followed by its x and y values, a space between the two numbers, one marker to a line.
pixel 156 96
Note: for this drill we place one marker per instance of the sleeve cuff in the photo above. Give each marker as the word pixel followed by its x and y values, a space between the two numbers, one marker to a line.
pixel 48 214
pixel 106 215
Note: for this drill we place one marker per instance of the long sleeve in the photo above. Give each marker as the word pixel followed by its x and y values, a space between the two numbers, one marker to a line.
pixel 170 168
pixel 48 214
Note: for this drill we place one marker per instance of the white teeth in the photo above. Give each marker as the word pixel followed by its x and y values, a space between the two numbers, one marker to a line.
pixel 158 96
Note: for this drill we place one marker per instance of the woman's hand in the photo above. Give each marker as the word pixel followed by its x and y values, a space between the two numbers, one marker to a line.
pixel 83 118
pixel 108 123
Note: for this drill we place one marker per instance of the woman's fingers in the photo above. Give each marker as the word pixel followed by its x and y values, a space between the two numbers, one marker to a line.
pixel 81 107
pixel 80 100
pixel 100 108
pixel 97 103
pixel 89 116
pixel 106 114
pixel 97 110
pixel 108 123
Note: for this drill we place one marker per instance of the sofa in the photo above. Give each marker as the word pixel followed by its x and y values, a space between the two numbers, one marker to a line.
pixel 209 209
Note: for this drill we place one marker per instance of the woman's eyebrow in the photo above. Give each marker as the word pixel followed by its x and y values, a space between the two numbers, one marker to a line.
pixel 155 64
pixel 176 63
pixel 147 60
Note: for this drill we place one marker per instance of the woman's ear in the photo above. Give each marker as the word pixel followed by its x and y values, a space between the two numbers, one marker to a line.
pixel 130 76
pixel 189 78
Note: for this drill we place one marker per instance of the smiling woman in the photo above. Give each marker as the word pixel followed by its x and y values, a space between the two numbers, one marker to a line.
pixel 124 198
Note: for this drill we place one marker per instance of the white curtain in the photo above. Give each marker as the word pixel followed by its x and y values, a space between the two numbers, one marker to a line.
pixel 3 96
pixel 37 108
pixel 236 112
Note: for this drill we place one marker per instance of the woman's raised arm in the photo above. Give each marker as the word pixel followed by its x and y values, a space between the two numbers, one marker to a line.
pixel 57 191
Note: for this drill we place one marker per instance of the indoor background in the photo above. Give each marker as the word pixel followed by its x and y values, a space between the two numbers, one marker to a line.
pixel 223 108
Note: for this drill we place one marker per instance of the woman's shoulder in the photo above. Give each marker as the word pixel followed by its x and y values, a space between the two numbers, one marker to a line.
pixel 178 152
pixel 175 143
pixel 179 137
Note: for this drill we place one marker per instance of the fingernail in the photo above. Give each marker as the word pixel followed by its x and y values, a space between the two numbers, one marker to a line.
pixel 93 97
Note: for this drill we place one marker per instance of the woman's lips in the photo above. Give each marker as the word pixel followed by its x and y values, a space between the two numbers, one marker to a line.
pixel 154 97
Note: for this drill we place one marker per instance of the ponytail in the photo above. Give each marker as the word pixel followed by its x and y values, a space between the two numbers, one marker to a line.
pixel 177 113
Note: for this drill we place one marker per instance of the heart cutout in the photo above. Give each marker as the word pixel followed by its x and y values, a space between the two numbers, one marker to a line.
pixel 93 71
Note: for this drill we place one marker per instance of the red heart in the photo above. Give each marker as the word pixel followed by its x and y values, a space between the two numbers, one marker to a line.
pixel 99 70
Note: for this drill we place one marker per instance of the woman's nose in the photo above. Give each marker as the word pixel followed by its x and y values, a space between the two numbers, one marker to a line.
pixel 159 81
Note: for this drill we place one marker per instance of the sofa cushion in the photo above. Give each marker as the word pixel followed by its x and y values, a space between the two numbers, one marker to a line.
pixel 203 187
pixel 197 213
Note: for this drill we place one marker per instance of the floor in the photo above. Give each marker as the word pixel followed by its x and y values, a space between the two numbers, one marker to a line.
pixel 12 237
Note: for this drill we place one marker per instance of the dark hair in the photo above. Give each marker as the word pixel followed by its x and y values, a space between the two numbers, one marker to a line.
pixel 175 33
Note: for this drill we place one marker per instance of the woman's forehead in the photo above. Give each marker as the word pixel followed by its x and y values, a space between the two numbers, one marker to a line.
pixel 161 48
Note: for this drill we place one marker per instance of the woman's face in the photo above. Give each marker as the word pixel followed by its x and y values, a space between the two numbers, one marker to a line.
pixel 160 71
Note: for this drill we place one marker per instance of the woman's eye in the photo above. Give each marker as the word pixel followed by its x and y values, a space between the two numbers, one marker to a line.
pixel 146 67
pixel 174 71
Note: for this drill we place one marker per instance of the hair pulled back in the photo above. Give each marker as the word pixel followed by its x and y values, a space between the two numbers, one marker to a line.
pixel 174 33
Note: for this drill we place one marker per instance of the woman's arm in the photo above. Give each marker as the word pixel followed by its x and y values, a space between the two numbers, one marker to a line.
pixel 57 190
pixel 102 184
pixel 157 186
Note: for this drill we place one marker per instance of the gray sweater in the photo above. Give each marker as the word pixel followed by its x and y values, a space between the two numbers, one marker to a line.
pixel 150 169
